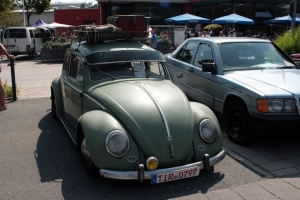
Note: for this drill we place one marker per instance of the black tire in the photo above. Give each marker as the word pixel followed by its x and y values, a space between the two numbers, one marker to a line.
pixel 237 123
pixel 90 167
pixel 53 107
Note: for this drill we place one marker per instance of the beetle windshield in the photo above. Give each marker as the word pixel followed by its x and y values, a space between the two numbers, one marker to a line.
pixel 111 71
pixel 251 56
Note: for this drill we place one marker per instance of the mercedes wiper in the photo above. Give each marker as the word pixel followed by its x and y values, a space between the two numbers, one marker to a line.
pixel 285 67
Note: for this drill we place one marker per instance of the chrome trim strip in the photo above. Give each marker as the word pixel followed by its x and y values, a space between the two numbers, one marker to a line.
pixel 133 175
pixel 160 110
pixel 95 101
pixel 169 138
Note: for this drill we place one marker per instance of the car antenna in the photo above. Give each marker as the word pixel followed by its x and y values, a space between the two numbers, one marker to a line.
pixel 78 46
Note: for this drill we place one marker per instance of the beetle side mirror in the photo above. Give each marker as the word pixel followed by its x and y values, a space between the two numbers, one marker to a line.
pixel 209 67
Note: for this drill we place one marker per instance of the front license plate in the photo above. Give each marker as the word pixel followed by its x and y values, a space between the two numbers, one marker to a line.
pixel 175 175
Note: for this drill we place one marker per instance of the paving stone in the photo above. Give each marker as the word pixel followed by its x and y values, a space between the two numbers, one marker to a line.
pixel 231 145
pixel 274 157
pixel 275 165
pixel 293 180
pixel 242 150
pixel 295 160
pixel 289 155
pixel 286 171
pixel 280 189
pixel 253 191
pixel 223 194
pixel 250 155
pixel 192 197
pixel 259 160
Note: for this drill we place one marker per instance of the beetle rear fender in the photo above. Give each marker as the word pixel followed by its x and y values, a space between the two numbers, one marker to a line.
pixel 201 112
pixel 96 125
pixel 56 93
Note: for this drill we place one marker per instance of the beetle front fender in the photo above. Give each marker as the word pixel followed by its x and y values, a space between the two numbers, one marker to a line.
pixel 96 125
pixel 56 93
pixel 201 112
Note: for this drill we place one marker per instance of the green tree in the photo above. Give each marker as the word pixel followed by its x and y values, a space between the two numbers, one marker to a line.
pixel 5 5
pixel 34 7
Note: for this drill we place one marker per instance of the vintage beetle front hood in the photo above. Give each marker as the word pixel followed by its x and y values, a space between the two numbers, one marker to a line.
pixel 148 109
pixel 270 82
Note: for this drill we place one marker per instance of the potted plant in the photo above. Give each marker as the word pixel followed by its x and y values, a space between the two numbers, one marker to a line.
pixel 164 43
pixel 55 49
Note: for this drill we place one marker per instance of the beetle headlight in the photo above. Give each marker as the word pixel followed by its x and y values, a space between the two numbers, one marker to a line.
pixel 208 131
pixel 117 143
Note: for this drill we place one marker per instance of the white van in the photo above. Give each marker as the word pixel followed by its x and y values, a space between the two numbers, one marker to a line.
pixel 24 40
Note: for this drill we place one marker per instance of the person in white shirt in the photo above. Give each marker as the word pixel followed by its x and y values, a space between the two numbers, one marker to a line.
pixel 204 34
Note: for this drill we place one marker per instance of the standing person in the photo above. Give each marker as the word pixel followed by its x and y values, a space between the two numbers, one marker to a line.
pixel 196 34
pixel 204 34
pixel 3 106
pixel 154 39
pixel 221 34
pixel 188 33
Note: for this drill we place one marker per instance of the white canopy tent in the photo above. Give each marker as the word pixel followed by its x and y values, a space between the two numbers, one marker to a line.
pixel 55 25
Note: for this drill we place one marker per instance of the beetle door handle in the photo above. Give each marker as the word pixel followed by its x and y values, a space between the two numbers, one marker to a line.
pixel 191 69
pixel 179 75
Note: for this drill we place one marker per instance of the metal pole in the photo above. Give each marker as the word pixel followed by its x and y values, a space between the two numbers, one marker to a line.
pixel 24 13
pixel 13 80
pixel 294 15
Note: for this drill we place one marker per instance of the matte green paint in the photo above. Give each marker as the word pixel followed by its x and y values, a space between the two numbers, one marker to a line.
pixel 135 108
pixel 96 126
pixel 201 112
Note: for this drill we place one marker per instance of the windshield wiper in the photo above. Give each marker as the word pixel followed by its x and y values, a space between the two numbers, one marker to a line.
pixel 285 67
pixel 102 73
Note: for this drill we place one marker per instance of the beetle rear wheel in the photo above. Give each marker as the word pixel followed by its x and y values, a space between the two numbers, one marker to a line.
pixel 53 107
pixel 90 167
pixel 237 123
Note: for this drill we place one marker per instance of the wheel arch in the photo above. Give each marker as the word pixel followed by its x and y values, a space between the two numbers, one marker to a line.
pixel 230 98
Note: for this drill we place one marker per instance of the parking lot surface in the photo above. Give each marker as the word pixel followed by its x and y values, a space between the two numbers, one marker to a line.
pixel 277 158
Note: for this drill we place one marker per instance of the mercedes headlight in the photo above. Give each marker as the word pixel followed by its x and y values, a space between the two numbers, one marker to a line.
pixel 208 131
pixel 117 143
pixel 276 105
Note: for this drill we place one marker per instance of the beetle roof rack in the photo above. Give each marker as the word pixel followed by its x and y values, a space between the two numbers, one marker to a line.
pixel 101 33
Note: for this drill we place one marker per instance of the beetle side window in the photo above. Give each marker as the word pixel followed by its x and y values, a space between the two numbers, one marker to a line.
pixel 204 55
pixel 66 63
pixel 79 75
pixel 187 53
pixel 74 65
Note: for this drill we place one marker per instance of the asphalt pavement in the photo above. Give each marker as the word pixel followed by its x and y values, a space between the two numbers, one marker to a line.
pixel 276 159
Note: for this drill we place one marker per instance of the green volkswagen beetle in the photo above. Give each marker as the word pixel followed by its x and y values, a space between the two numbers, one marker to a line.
pixel 117 101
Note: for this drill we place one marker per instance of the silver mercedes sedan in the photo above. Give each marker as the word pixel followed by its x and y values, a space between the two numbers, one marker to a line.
pixel 251 83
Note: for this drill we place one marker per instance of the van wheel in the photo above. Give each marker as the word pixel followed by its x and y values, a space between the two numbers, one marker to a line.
pixel 237 123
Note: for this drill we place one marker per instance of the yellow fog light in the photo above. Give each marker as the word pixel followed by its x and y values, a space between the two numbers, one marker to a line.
pixel 152 163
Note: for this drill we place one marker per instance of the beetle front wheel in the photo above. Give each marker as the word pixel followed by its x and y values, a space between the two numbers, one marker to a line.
pixel 237 123
pixel 90 167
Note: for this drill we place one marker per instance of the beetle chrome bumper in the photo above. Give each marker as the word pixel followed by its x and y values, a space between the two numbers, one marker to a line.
pixel 134 175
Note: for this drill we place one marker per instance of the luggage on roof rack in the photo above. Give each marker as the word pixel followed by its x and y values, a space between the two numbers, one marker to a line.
pixel 131 25
pixel 99 33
